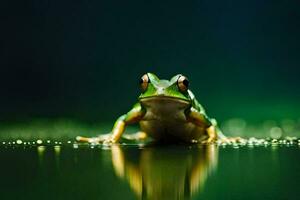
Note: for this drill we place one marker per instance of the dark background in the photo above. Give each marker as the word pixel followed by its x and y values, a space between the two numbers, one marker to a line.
pixel 83 59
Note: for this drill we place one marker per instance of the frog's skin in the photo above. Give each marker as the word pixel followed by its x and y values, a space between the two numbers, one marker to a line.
pixel 166 111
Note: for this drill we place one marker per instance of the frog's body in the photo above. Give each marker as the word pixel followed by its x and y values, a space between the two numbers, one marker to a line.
pixel 165 120
pixel 166 111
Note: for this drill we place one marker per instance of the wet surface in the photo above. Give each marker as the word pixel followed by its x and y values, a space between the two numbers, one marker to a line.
pixel 40 159
pixel 65 170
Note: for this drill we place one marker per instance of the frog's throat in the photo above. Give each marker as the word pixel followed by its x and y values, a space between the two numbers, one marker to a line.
pixel 165 98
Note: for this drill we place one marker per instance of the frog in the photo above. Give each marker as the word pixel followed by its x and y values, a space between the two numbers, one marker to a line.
pixel 167 111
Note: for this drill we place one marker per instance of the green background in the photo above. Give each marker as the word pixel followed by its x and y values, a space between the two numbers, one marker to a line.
pixel 83 59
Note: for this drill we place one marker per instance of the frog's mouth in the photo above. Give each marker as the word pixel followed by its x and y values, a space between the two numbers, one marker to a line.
pixel 164 100
pixel 164 107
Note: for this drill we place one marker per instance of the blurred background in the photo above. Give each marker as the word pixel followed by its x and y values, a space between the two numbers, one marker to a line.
pixel 82 60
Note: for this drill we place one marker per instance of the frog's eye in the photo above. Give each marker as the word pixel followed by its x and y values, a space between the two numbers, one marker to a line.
pixel 144 81
pixel 183 83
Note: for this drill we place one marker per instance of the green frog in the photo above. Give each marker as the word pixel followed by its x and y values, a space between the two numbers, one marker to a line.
pixel 167 111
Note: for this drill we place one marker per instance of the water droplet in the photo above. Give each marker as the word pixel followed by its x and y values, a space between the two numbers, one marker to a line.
pixel 274 141
pixel 224 144
pixel 19 141
pixel 39 141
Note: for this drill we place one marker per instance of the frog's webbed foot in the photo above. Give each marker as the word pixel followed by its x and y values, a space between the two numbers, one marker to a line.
pixel 87 139
pixel 216 136
pixel 103 139
pixel 94 140
pixel 137 136
pixel 109 141
pixel 232 140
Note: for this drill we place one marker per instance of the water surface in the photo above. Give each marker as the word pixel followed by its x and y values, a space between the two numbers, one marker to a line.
pixel 65 171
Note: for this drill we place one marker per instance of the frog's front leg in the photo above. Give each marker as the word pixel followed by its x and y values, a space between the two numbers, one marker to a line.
pixel 133 116
pixel 200 119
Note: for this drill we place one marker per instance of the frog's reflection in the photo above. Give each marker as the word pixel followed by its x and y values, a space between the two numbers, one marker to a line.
pixel 165 173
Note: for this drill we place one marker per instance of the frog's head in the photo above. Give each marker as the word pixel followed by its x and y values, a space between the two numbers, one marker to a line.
pixel 174 89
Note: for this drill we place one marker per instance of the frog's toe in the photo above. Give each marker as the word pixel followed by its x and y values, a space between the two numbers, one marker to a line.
pixel 89 140
pixel 108 142
pixel 231 140
pixel 82 139
pixel 238 140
